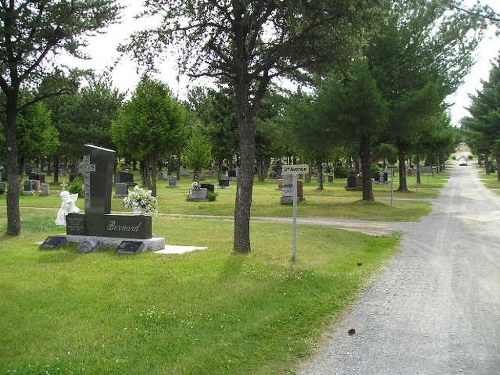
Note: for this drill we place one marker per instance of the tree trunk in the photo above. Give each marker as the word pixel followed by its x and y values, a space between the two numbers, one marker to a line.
pixel 498 167
pixel 11 156
pixel 244 190
pixel 263 167
pixel 419 181
pixel 154 172
pixel 487 163
pixel 321 179
pixel 56 168
pixel 403 187
pixel 366 170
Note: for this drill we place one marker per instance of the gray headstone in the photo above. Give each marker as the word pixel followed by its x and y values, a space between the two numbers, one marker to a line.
pixel 121 189
pixel 198 195
pixel 172 182
pixel 45 189
pixel 162 176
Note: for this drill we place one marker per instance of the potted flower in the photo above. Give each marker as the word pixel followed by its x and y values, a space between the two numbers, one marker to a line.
pixel 141 201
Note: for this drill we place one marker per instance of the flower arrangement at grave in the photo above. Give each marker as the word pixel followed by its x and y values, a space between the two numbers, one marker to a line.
pixel 141 201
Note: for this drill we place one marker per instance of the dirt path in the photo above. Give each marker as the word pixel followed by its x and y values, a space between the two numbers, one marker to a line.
pixel 436 308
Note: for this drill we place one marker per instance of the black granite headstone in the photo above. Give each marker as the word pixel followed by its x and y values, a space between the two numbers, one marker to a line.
pixel 210 187
pixel 224 183
pixel 351 182
pixel 54 243
pixel 121 177
pixel 130 247
pixel 75 224
pixel 97 170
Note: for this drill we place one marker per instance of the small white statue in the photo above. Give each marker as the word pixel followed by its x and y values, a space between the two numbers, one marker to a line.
pixel 68 206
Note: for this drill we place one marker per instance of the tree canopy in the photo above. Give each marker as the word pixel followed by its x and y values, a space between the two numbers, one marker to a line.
pixel 32 34
pixel 483 126
pixel 420 54
pixel 244 45
pixel 150 127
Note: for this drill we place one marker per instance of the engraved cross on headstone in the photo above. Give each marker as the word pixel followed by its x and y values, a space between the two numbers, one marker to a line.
pixel 97 169
pixel 85 169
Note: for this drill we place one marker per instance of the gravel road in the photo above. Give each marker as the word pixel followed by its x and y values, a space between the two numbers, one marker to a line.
pixel 435 309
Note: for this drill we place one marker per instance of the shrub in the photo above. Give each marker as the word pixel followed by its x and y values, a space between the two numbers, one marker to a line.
pixel 212 196
pixel 76 187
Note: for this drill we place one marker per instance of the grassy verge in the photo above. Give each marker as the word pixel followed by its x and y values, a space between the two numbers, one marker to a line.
pixel 490 181
pixel 206 312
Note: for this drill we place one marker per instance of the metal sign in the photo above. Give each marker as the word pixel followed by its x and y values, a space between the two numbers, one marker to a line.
pixel 295 169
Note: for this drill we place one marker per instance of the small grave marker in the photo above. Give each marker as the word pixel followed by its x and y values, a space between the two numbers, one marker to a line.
pixel 54 243
pixel 130 247
pixel 89 246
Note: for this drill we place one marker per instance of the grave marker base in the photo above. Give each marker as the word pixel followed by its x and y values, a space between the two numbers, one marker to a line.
pixel 130 247
pixel 54 243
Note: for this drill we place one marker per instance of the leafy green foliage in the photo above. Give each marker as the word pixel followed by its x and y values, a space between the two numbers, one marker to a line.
pixel 38 137
pixel 482 128
pixel 198 152
pixel 150 127
pixel 32 33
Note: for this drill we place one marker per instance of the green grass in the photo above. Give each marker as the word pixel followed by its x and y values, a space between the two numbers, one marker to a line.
pixel 333 201
pixel 206 312
pixel 490 181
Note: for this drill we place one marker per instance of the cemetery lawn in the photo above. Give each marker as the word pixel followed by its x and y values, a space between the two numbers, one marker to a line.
pixel 205 312
pixel 332 202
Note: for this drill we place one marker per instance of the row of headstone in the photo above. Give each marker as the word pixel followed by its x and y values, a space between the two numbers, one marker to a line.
pixel 123 182
pixel 200 194
pixel 37 176
pixel 35 186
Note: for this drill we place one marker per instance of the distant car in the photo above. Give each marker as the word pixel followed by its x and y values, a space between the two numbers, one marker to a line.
pixel 462 162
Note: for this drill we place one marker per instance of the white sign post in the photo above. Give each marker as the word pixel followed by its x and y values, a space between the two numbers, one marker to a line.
pixel 294 170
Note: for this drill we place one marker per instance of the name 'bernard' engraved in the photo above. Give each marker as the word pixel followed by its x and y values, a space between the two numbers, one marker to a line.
pixel 112 226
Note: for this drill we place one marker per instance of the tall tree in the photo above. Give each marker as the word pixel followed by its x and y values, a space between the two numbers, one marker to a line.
pixel 350 111
pixel 198 152
pixel 244 44
pixel 150 127
pixel 483 126
pixel 32 33
pixel 215 108
pixel 84 116
pixel 38 137
pixel 419 56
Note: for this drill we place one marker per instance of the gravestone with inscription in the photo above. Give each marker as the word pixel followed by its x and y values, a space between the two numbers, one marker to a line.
pixel 97 221
pixel 198 195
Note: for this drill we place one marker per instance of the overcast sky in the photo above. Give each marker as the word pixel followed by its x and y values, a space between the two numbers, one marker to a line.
pixel 102 49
